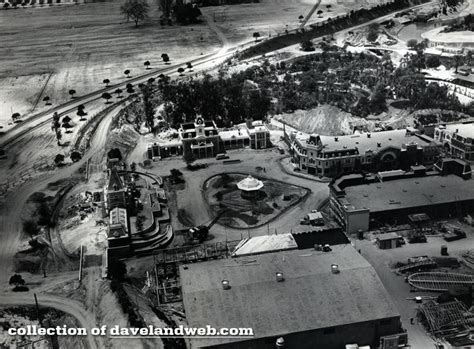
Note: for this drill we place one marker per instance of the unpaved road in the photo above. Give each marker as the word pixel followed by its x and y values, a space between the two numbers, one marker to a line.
pixel 10 226
pixel 66 305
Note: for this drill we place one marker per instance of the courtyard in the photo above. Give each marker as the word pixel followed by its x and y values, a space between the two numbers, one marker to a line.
pixel 223 196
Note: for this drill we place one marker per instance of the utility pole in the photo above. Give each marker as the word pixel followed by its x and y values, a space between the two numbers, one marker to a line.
pixel 80 263
pixel 37 309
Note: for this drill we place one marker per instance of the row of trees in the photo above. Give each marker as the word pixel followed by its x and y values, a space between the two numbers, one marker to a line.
pixel 138 11
pixel 357 83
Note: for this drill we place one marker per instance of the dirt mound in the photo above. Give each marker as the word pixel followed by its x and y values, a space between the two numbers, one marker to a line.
pixel 125 138
pixel 325 119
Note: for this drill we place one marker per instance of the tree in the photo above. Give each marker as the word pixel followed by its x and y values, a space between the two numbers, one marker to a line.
pixel 148 106
pixel 433 61
pixel 186 13
pixel 107 96
pixel 16 280
pixel 127 73
pixel 320 12
pixel 457 62
pixel 328 7
pixel 165 58
pixel 72 93
pixel 59 136
pixel 16 116
pixel 373 32
pixel 106 82
pixel 180 71
pixel 59 160
pixel 412 43
pixel 66 121
pixel 133 167
pixel 46 100
pixel 300 17
pixel 117 270
pixel 118 92
pixel 147 65
pixel 256 35
pixel 31 228
pixel 81 113
pixel 189 65
pixel 137 10
pixel 75 156
pixel 307 46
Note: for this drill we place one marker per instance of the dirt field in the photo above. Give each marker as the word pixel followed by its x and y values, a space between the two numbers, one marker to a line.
pixel 270 17
pixel 82 45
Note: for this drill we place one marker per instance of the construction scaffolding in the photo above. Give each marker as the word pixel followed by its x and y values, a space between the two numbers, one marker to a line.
pixel 438 281
pixel 167 280
pixel 445 318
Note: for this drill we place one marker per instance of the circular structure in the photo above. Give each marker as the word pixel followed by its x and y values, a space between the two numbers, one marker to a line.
pixel 249 187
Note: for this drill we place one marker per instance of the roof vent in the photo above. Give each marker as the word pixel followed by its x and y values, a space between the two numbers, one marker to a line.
pixel 279 277
pixel 335 269
pixel 226 284
pixel 280 343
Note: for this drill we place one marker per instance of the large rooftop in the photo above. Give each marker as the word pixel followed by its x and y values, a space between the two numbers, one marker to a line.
pixel 373 141
pixel 311 297
pixel 409 192
pixel 463 130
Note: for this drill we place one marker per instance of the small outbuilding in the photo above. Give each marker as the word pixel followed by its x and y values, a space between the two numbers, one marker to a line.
pixel 387 241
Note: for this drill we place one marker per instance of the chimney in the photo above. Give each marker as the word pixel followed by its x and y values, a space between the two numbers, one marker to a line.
pixel 368 135
pixel 379 145
pixel 225 284
pixel 336 139
pixel 279 277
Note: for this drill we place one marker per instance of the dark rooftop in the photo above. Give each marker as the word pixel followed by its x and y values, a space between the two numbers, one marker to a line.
pixel 311 297
pixel 409 192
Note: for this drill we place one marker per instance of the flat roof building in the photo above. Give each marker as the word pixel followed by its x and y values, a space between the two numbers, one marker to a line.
pixel 358 200
pixel 457 140
pixel 306 303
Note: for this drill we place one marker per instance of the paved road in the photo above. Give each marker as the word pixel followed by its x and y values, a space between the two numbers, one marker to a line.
pixel 190 198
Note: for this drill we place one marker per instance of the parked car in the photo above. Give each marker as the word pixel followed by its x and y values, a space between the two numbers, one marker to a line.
pixel 222 156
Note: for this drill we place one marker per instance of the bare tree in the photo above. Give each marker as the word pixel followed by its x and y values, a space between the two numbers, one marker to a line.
pixel 137 10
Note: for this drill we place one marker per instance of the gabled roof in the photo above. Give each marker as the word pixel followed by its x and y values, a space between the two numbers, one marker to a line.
pixel 115 182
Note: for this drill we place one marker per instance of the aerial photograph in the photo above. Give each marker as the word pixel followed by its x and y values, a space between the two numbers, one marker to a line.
pixel 226 174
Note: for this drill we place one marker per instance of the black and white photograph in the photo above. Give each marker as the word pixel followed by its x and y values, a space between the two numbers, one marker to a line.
pixel 236 174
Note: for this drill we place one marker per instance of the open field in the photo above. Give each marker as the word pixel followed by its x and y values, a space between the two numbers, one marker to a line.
pixel 272 17
pixel 82 45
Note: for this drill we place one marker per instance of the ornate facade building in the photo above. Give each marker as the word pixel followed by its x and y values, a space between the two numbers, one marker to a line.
pixel 328 156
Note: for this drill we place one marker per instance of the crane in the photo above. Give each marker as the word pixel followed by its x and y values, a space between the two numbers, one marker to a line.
pixel 310 14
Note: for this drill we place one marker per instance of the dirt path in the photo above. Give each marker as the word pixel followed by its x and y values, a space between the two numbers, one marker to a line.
pixel 66 305
pixel 10 226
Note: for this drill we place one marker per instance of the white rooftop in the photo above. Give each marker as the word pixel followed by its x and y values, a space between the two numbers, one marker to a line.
pixel 250 184
pixel 265 243
pixel 239 133
pixel 463 130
